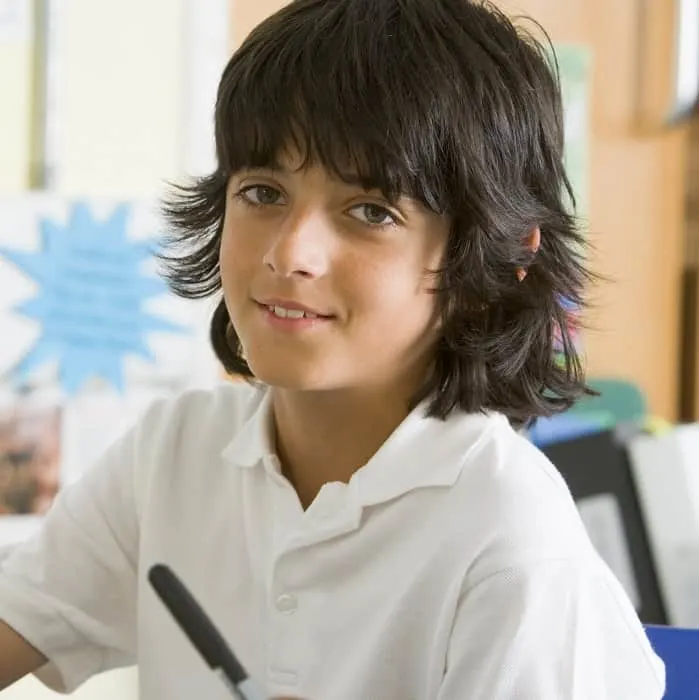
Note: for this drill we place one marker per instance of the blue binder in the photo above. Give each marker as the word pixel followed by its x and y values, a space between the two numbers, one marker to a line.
pixel 679 649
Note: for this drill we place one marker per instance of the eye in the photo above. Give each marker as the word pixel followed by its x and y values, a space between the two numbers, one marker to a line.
pixel 373 214
pixel 260 195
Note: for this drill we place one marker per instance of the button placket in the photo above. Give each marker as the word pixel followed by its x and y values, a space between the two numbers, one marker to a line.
pixel 286 623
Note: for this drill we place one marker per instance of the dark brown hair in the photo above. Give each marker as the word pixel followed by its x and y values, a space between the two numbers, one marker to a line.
pixel 445 101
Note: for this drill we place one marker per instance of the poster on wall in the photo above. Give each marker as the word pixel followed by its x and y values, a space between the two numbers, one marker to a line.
pixel 30 454
pixel 90 336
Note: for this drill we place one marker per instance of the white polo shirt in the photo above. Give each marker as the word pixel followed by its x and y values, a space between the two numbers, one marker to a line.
pixel 453 565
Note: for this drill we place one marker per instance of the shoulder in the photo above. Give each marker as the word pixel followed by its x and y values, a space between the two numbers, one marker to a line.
pixel 190 429
pixel 514 472
pixel 559 624
pixel 210 416
pixel 177 444
pixel 517 506
pixel 532 555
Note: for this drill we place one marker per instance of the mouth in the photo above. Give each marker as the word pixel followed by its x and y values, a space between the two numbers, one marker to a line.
pixel 291 310
pixel 288 316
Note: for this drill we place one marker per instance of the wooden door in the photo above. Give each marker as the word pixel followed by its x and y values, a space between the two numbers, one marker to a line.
pixel 636 194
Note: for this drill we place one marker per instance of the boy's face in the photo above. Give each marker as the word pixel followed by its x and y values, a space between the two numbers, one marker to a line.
pixel 297 240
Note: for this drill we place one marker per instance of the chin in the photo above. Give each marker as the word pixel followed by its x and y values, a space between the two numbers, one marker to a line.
pixel 287 374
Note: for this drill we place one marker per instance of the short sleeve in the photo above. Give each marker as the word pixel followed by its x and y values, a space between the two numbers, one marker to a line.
pixel 71 589
pixel 553 630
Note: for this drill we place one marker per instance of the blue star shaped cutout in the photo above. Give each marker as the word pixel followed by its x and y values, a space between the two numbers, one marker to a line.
pixel 92 288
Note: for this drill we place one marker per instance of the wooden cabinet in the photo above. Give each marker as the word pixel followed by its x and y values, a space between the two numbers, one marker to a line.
pixel 636 193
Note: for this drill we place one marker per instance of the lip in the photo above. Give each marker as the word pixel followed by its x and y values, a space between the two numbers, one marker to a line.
pixel 292 325
pixel 292 306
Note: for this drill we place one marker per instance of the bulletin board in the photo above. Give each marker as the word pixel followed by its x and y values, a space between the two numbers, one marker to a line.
pixel 89 337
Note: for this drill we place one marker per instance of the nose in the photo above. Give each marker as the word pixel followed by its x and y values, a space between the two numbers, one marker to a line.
pixel 300 246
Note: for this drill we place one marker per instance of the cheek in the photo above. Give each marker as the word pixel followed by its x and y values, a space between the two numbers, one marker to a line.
pixel 236 258
pixel 226 242
pixel 393 291
pixel 230 244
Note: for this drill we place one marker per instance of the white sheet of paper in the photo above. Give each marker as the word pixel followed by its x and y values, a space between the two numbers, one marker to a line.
pixel 601 515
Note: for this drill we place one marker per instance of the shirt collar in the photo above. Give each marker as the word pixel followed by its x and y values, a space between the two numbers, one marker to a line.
pixel 422 452
pixel 252 444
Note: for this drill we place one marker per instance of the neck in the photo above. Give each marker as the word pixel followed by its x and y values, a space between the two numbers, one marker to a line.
pixel 326 436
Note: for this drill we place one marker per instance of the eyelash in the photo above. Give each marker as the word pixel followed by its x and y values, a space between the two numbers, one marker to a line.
pixel 242 196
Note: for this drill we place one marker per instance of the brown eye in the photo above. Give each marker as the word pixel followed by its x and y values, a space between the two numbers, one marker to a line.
pixel 373 214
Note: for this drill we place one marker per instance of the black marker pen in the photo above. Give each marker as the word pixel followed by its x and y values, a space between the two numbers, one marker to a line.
pixel 202 633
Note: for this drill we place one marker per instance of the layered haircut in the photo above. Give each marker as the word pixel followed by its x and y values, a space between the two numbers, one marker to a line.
pixel 444 101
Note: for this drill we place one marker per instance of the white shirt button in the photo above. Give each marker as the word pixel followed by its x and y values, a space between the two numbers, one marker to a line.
pixel 286 604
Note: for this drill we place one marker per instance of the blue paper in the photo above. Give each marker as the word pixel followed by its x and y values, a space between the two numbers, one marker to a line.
pixel 563 427
pixel 90 302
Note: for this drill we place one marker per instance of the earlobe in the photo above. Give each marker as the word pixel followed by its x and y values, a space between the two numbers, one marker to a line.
pixel 534 245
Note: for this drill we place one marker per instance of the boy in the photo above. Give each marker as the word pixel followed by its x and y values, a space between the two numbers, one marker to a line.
pixel 388 227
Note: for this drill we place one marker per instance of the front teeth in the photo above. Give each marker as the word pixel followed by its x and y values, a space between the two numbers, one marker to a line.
pixel 281 312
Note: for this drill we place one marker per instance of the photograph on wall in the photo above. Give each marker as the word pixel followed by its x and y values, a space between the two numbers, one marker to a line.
pixel 30 454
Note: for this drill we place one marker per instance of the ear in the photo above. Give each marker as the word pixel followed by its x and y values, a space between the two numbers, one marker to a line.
pixel 534 243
